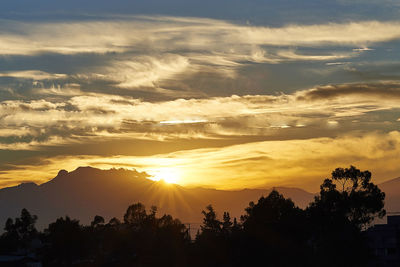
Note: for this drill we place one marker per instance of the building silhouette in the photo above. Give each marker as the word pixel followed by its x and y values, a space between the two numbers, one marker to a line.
pixel 384 240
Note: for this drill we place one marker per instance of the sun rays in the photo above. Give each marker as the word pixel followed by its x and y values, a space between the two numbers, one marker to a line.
pixel 166 174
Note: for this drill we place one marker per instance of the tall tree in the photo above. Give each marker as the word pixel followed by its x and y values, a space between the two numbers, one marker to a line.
pixel 20 232
pixel 65 241
pixel 97 221
pixel 210 221
pixel 347 203
pixel 349 195
pixel 135 214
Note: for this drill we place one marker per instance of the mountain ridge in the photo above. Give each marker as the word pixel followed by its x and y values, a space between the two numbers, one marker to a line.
pixel 87 191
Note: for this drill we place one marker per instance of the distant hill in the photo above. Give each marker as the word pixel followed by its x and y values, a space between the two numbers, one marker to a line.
pixel 86 192
pixel 392 191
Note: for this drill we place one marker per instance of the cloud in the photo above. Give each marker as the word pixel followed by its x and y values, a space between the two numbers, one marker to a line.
pixel 32 74
pixel 363 49
pixel 292 55
pixel 181 33
pixel 300 163
pixel 22 131
pixel 126 80
pixel 92 116
pixel 146 71
pixel 65 90
pixel 336 63
pixel 383 90
pixel 157 55
pixel 353 33
pixel 183 122
pixel 303 163
pixel 35 145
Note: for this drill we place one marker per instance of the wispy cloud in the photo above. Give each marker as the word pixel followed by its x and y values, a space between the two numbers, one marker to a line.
pixel 32 74
pixel 181 33
pixel 109 116
pixel 292 55
pixel 149 53
pixel 146 71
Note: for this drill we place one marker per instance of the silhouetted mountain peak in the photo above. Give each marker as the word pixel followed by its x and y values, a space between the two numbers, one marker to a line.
pixel 62 173
pixel 93 178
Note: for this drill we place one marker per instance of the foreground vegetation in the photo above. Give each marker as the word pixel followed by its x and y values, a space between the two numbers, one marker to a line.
pixel 272 232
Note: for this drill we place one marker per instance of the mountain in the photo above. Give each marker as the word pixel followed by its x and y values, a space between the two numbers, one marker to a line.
pixel 392 191
pixel 86 192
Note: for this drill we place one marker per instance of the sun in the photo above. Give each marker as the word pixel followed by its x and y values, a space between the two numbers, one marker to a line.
pixel 168 175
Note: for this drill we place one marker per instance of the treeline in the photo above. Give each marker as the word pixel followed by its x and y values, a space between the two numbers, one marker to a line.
pixel 272 232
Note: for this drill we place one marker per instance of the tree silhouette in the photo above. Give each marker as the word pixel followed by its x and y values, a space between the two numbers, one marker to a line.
pixel 272 232
pixel 144 239
pixel 275 228
pixel 272 212
pixel 135 214
pixel 66 241
pixel 347 203
pixel 217 242
pixel 226 223
pixel 356 202
pixel 21 232
pixel 97 221
pixel 114 222
pixel 210 222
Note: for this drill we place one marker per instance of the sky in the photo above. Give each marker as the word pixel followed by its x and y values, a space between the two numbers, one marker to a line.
pixel 222 94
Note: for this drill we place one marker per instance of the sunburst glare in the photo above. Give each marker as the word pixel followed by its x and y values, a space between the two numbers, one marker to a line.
pixel 167 174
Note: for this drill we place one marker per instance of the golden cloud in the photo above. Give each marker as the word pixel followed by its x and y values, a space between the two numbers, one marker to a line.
pixel 299 163
pixel 109 116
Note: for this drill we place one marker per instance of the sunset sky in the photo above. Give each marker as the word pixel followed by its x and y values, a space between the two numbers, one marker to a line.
pixel 225 94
